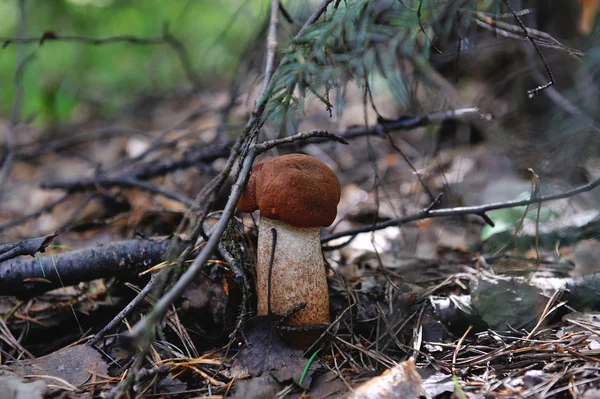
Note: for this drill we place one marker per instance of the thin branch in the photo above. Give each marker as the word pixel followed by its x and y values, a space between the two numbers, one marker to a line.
pixel 125 311
pixel 533 92
pixel 563 102
pixel 156 143
pixel 412 166
pixel 36 148
pixel 413 122
pixel 46 208
pixel 143 331
pixel 51 36
pixel 271 43
pixel 423 29
pixel 457 349
pixel 313 18
pixel 166 38
pixel 505 29
pixel 236 266
pixel 465 210
pixel 30 247
pixel 287 16
pixel 184 57
pixel 323 134
pixel 230 148
pixel 162 167
pixel 107 182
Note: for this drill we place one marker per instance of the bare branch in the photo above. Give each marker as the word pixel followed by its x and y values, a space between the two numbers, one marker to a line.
pixel 229 149
pixel 413 122
pixel 271 43
pixel 107 182
pixel 313 18
pixel 505 29
pixel 125 311
pixel 30 246
pixel 464 210
pixel 46 208
pixel 533 92
pixel 166 38
pixel 51 36
pixel 267 145
pixel 26 278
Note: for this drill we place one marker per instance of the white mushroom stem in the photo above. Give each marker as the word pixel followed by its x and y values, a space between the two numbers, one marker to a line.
pixel 298 273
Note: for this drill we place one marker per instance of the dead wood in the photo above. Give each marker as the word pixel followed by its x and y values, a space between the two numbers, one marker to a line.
pixel 30 246
pixel 25 278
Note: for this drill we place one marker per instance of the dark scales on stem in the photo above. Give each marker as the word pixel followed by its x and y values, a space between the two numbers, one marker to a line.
pixel 265 350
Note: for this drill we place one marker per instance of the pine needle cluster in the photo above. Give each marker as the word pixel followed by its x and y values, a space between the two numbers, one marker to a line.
pixel 358 40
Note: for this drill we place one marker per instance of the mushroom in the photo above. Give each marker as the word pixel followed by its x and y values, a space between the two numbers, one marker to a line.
pixel 296 195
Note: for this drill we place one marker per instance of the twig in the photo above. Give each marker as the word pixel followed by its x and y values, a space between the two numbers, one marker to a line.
pixel 160 168
pixel 166 38
pixel 143 332
pixel 457 349
pixel 271 43
pixel 335 323
pixel 413 122
pixel 459 42
pixel 51 36
pixel 533 92
pixel 267 145
pixel 423 29
pixel 413 168
pixel 26 247
pixel 545 313
pixel 464 210
pixel 561 101
pixel 237 269
pixel 157 143
pixel 225 28
pixel 511 31
pixel 34 149
pixel 184 57
pixel 125 311
pixel 46 208
pixel 536 191
pixel 7 336
pixel 313 18
pixel 107 182
pixel 230 148
pixel 287 16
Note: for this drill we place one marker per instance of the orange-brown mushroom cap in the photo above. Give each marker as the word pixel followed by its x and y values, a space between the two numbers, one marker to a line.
pixel 247 202
pixel 296 189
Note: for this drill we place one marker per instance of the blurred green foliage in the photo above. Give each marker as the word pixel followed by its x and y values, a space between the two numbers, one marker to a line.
pixel 508 219
pixel 63 79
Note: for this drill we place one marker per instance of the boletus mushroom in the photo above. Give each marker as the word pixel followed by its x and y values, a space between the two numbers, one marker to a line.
pixel 296 195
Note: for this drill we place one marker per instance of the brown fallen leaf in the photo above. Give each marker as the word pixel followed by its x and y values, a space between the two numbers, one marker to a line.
pixel 401 381
pixel 72 365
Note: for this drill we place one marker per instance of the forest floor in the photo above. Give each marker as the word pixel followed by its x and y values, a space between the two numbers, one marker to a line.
pixel 420 285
